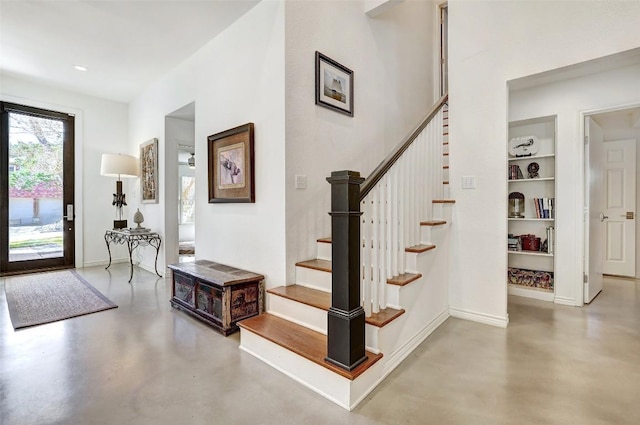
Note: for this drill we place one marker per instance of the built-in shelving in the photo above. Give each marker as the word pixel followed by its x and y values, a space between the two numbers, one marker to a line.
pixel 534 253
pixel 532 157
pixel 540 179
pixel 525 265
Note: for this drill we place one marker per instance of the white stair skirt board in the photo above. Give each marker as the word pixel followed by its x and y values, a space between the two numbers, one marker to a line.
pixel 342 391
pixel 485 319
pixel 299 313
pixel 324 251
pixel 311 278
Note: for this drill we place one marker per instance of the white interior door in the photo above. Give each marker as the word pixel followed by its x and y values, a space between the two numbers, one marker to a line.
pixel 620 207
pixel 594 228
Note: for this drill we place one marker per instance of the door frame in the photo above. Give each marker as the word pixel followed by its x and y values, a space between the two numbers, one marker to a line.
pixel 77 160
pixel 580 210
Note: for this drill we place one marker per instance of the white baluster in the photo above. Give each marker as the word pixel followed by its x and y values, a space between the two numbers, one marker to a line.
pixel 375 254
pixel 366 256
pixel 394 222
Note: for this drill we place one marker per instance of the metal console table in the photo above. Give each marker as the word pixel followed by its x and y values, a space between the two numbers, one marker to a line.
pixel 132 240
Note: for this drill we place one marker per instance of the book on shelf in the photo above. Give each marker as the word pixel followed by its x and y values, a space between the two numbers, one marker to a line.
pixel 544 207
pixel 550 239
pixel 515 173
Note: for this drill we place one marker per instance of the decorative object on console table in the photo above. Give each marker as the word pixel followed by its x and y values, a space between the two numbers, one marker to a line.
pixel 217 294
pixel 232 165
pixel 149 171
pixel 334 85
pixel 516 205
pixel 118 165
pixel 138 218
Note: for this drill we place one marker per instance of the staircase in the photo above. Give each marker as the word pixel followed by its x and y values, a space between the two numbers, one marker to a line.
pixel 404 282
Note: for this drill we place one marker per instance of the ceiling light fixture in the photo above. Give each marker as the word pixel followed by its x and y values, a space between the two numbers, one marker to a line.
pixel 80 68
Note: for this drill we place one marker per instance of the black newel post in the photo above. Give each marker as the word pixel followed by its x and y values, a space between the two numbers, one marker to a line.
pixel 345 334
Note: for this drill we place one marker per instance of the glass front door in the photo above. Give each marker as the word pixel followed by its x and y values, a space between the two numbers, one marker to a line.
pixel 37 189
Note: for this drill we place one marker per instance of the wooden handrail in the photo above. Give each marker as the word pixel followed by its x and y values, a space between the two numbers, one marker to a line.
pixel 391 159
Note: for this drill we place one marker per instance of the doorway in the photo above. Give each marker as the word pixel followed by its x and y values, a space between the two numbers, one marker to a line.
pixel 37 187
pixel 179 137
pixel 611 233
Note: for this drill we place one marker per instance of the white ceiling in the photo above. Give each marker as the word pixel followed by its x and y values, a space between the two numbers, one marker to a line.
pixel 125 45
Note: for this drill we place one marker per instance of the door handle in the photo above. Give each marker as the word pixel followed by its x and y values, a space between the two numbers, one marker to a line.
pixel 603 217
pixel 69 216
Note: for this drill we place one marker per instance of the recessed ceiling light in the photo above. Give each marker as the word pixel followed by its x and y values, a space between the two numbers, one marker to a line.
pixel 80 68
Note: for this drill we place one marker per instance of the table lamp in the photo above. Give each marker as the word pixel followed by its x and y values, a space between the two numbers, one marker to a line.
pixel 118 165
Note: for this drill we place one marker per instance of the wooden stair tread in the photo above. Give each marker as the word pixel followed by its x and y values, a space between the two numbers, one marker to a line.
pixel 384 317
pixel 303 341
pixel 322 300
pixel 445 182
pixel 325 240
pixel 302 294
pixel 445 167
pixel 316 264
pixel 404 279
pixel 420 248
pixel 444 201
pixel 433 223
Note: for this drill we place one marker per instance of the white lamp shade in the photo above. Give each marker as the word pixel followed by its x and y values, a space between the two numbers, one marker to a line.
pixel 118 165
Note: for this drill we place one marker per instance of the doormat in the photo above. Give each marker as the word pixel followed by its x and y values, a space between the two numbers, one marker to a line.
pixel 41 298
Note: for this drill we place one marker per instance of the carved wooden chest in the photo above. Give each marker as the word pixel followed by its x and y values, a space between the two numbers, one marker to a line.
pixel 217 294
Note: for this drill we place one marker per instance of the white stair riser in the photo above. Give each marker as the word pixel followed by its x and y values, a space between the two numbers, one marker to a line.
pixel 446 191
pixel 294 311
pixel 442 212
pixel 313 318
pixel 315 377
pixel 324 251
pixel 432 234
pixel 311 278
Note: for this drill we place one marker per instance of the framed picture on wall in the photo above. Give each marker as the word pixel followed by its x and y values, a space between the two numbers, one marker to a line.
pixel 149 171
pixel 334 85
pixel 231 165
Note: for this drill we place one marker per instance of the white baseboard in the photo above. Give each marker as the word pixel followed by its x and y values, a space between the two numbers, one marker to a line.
pixel 565 301
pixel 486 319
pixel 104 263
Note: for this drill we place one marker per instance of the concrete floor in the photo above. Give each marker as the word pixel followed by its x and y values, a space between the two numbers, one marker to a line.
pixel 145 363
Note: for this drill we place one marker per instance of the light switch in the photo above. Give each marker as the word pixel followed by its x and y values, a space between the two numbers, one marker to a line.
pixel 301 181
pixel 468 182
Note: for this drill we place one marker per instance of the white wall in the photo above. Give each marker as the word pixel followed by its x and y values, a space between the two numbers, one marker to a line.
pixel 567 99
pixel 392 59
pixel 491 43
pixel 101 127
pixel 236 78
pixel 621 127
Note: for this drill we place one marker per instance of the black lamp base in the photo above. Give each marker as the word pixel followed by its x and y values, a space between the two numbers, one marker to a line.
pixel 119 224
